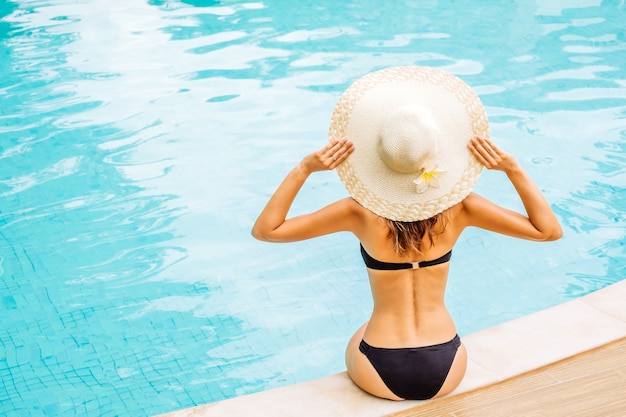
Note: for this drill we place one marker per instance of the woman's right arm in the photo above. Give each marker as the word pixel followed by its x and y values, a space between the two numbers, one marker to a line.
pixel 272 225
pixel 540 223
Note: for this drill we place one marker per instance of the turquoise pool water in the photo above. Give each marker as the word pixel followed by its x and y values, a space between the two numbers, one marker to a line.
pixel 139 140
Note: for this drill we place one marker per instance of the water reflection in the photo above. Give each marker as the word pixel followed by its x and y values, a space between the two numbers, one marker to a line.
pixel 87 241
pixel 597 209
pixel 143 138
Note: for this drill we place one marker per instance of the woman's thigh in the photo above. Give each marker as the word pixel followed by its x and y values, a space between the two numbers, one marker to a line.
pixel 361 370
pixel 456 373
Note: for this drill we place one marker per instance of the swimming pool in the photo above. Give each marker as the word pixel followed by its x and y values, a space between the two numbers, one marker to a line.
pixel 140 139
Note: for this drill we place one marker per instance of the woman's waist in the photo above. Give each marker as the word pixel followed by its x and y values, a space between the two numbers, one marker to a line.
pixel 391 330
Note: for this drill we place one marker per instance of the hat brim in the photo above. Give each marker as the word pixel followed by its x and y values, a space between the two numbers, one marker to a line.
pixel 456 110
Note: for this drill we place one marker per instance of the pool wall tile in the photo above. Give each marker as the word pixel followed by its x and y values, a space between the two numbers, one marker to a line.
pixel 352 400
pixel 611 302
pixel 476 376
pixel 542 338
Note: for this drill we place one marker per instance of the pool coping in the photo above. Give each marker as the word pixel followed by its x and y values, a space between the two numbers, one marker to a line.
pixel 495 354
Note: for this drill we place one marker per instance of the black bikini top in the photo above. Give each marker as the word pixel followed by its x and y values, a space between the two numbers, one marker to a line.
pixel 372 263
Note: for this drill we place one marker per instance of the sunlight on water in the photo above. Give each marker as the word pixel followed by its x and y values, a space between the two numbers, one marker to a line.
pixel 140 139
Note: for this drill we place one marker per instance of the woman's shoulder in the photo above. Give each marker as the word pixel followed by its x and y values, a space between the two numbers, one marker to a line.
pixel 360 218
pixel 471 203
pixel 353 206
pixel 345 209
pixel 462 213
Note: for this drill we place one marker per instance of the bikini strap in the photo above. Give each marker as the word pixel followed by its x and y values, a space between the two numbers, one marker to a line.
pixel 373 263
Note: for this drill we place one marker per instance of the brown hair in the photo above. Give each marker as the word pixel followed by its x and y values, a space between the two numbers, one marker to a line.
pixel 408 236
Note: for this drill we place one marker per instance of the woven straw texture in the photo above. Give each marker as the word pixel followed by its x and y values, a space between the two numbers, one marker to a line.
pixel 420 210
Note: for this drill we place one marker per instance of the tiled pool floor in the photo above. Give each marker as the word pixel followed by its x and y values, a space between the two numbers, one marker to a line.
pixel 496 354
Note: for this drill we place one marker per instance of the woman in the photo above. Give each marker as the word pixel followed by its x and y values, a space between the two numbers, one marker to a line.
pixel 409 144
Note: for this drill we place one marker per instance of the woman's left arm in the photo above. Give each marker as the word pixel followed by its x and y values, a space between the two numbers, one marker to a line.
pixel 272 224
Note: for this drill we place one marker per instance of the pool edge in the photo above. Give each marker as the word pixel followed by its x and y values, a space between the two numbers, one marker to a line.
pixel 495 354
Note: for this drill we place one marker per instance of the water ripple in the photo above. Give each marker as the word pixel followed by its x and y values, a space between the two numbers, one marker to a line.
pixel 139 141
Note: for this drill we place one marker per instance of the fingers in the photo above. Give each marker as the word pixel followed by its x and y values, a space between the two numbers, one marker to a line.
pixel 486 152
pixel 336 152
pixel 492 157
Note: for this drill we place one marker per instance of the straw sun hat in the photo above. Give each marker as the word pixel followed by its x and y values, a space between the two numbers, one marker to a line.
pixel 410 126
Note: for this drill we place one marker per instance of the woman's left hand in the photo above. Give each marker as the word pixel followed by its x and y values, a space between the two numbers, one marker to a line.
pixel 329 157
pixel 491 156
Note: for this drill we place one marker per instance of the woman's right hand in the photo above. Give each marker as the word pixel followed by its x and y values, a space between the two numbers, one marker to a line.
pixel 329 157
pixel 272 224
pixel 491 156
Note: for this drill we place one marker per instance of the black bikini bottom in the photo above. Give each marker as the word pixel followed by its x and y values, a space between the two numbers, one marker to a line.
pixel 413 373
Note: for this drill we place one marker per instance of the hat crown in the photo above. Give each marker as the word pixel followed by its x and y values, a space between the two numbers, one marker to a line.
pixel 407 140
